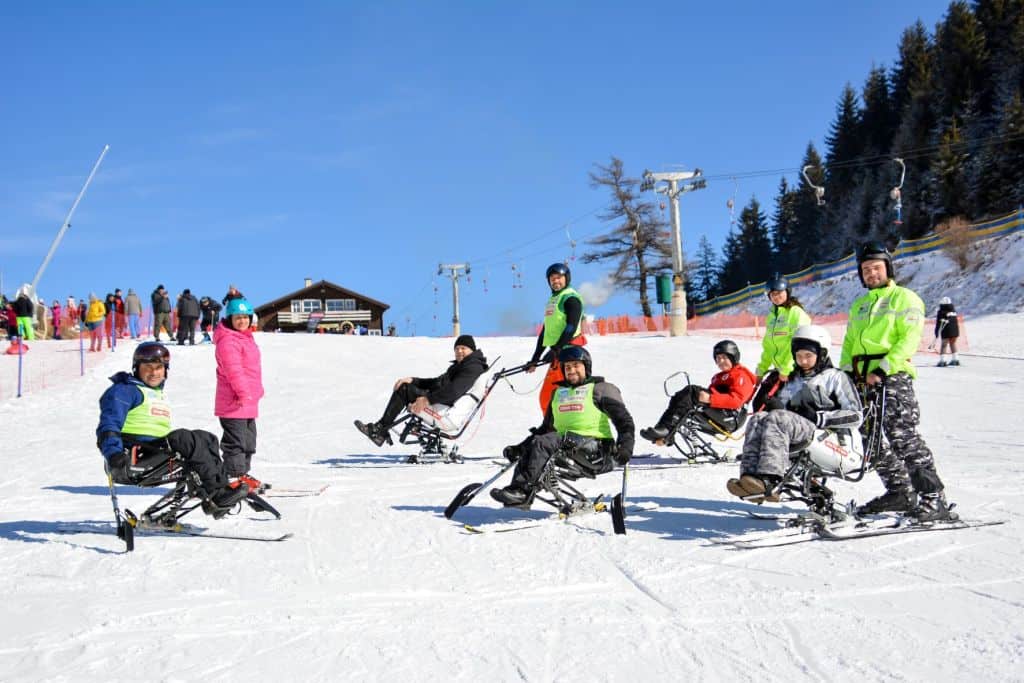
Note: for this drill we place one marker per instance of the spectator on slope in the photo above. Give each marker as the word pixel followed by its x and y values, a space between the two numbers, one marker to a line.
pixel 94 317
pixel 120 322
pixel 24 310
pixel 55 312
pixel 947 329
pixel 188 315
pixel 210 310
pixel 161 302
pixel 133 311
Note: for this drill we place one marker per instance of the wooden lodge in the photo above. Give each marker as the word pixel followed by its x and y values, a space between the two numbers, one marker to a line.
pixel 322 306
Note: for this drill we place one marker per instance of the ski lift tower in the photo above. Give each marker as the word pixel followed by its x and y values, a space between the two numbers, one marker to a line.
pixel 454 275
pixel 672 185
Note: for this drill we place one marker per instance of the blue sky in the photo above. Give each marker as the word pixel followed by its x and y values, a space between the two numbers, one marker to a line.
pixel 364 143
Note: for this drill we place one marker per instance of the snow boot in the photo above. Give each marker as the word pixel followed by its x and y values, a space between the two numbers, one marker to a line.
pixel 373 432
pixel 512 496
pixel 254 484
pixel 932 507
pixel 900 500
pixel 752 488
pixel 654 434
pixel 942 364
pixel 221 502
pixel 954 363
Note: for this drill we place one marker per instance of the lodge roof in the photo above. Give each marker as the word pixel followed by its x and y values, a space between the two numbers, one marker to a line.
pixel 316 285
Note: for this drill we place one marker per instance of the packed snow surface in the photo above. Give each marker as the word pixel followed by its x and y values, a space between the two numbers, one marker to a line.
pixel 377 585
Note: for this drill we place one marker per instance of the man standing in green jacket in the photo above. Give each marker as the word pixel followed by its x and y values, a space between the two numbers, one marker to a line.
pixel 882 336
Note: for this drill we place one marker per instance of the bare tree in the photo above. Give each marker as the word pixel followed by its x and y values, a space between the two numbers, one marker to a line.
pixel 637 243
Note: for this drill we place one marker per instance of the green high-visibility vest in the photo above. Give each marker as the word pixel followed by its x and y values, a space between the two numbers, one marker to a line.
pixel 573 410
pixel 152 417
pixel 554 316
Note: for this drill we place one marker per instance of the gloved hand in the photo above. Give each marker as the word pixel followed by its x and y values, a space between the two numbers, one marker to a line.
pixel 806 412
pixel 548 357
pixel 622 455
pixel 774 403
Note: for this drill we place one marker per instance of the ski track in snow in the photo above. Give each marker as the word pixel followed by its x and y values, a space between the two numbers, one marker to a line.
pixel 378 585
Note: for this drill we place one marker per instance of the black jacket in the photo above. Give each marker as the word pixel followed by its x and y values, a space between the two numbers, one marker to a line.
pixel 952 327
pixel 210 308
pixel 608 400
pixel 188 306
pixel 456 381
pixel 23 307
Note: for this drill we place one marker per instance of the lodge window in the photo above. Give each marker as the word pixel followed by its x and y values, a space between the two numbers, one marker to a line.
pixel 306 305
pixel 338 305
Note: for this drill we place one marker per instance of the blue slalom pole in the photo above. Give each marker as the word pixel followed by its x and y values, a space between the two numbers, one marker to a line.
pixel 21 352
pixel 81 347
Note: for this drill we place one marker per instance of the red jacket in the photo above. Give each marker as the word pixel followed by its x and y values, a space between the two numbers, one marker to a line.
pixel 732 389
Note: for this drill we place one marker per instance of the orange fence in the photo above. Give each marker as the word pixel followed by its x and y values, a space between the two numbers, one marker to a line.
pixel 747 326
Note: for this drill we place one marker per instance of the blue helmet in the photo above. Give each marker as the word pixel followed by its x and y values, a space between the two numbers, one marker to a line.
pixel 238 306
pixel 561 269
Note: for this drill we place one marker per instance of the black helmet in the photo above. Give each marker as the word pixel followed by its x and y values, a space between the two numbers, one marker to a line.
pixel 560 268
pixel 776 283
pixel 150 352
pixel 875 251
pixel 576 353
pixel 727 347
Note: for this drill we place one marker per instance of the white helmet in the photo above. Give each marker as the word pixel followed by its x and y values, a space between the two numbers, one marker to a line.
pixel 815 333
pixel 945 301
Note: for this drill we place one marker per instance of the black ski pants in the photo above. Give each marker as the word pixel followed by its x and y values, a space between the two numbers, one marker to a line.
pixel 238 444
pixel 186 329
pixel 684 402
pixel 198 449
pixel 406 394
pixel 906 458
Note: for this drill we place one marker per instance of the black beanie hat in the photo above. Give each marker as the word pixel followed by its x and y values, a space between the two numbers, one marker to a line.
pixel 465 340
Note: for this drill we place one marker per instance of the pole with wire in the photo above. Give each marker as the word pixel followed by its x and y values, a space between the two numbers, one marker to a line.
pixel 672 189
pixel 455 269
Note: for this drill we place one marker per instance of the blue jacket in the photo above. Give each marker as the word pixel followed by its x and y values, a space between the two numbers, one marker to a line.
pixel 123 395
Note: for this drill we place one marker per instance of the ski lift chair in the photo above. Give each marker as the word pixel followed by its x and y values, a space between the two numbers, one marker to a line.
pixel 150 466
pixel 697 434
pixel 438 428
pixel 847 457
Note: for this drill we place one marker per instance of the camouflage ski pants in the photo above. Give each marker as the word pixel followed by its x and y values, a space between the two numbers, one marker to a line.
pixel 905 460
pixel 769 440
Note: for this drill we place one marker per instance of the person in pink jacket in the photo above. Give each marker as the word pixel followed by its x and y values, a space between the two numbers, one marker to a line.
pixel 239 390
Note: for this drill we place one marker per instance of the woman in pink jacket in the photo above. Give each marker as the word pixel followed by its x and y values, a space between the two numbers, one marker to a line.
pixel 239 390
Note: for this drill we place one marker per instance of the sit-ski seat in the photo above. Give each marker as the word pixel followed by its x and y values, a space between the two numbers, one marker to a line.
pixel 439 423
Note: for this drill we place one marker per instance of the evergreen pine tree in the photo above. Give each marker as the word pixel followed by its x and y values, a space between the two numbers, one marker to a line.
pixel 961 58
pixel 785 239
pixel 705 271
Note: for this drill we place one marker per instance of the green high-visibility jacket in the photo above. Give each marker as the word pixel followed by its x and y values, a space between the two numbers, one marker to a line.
pixel 573 410
pixel 886 321
pixel 554 316
pixel 776 351
pixel 152 417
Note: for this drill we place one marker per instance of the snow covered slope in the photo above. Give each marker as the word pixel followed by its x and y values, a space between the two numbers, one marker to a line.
pixel 994 283
pixel 377 585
